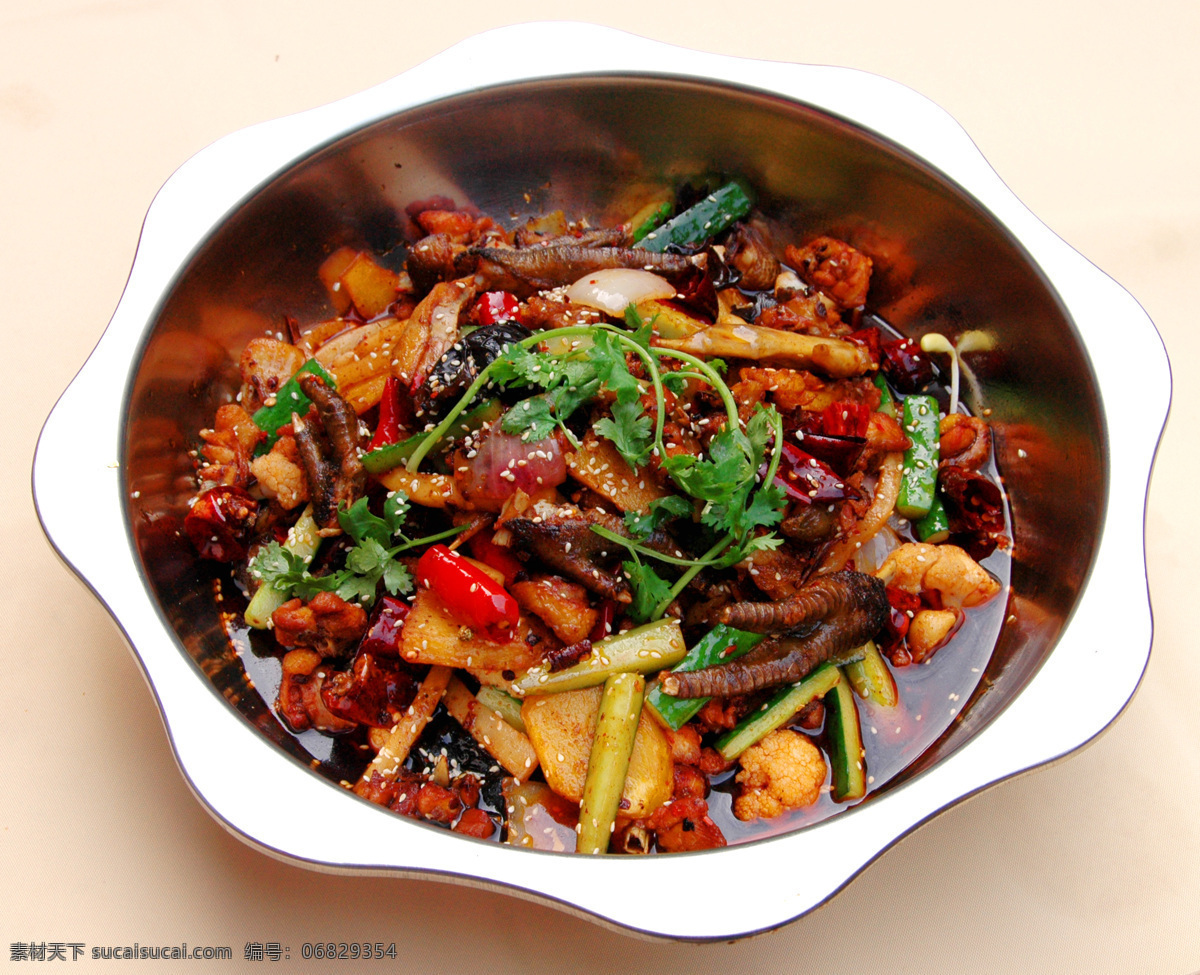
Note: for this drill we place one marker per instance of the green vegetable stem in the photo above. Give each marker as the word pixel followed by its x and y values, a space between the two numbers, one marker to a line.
pixel 645 649
pixel 616 729
pixel 871 678
pixel 505 705
pixel 887 402
pixel 778 711
pixel 845 743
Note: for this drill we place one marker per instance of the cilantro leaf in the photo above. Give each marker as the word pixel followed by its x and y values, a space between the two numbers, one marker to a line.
pixel 518 366
pixel 275 565
pixel 357 587
pixel 568 398
pixel 395 510
pixel 736 553
pixel 658 513
pixel 717 477
pixel 359 523
pixel 608 360
pixel 396 578
pixel 765 509
pixel 641 329
pixel 675 382
pixel 532 418
pixel 367 558
pixel 649 589
pixel 309 585
pixel 759 432
pixel 630 430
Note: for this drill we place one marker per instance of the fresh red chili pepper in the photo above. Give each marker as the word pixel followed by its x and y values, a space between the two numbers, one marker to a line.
pixel 387 431
pixel 497 306
pixel 469 593
pixel 497 556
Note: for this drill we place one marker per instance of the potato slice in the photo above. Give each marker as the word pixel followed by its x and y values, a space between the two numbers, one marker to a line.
pixel 561 728
pixel 432 635
pixel 354 279
pixel 598 465
pixel 507 745
pixel 561 605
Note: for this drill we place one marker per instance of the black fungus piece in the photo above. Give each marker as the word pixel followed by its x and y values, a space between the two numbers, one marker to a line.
pixel 465 360
pixel 444 735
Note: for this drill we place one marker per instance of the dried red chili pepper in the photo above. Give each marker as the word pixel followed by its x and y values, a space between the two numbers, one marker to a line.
pixel 846 419
pixel 383 631
pixel 906 366
pixel 975 503
pixel 903 605
pixel 373 692
pixel 219 523
pixel 869 338
pixel 804 478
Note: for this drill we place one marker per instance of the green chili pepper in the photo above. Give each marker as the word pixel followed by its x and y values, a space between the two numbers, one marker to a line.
pixel 935 526
pixel 918 481
pixel 719 645
pixel 288 400
pixel 393 455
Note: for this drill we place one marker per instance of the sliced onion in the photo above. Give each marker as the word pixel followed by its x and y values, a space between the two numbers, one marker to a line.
pixel 615 289
pixel 504 462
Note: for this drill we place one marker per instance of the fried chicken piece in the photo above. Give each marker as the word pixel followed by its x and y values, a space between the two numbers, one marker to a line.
pixel 228 447
pixel 834 267
pixel 326 623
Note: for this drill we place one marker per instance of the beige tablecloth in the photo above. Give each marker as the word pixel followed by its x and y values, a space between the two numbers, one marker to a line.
pixel 1087 111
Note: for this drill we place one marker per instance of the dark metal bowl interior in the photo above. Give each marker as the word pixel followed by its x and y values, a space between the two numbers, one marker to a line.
pixel 534 147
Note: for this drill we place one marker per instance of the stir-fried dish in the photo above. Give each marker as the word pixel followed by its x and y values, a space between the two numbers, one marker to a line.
pixel 608 539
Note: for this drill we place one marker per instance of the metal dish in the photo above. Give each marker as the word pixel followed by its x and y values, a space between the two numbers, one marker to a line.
pixel 233 237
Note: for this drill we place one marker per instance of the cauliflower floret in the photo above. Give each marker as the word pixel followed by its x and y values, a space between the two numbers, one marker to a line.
pixel 280 475
pixel 783 771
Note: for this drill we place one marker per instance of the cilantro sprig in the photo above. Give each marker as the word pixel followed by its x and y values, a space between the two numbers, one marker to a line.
pixel 741 504
pixel 369 562
pixel 572 380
